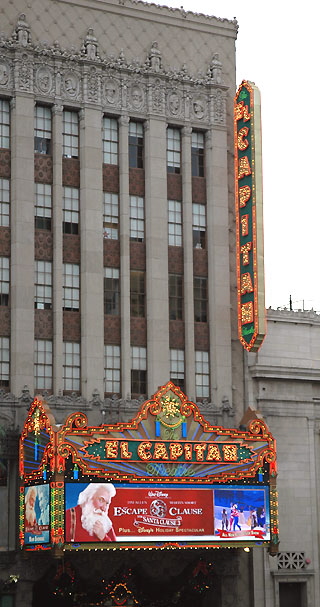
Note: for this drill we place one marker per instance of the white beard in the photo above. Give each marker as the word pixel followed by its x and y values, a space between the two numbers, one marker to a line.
pixel 90 515
pixel 30 514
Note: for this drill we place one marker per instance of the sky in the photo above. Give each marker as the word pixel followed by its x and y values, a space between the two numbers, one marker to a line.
pixel 277 48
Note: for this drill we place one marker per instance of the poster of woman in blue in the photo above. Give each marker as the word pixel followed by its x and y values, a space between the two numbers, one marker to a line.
pixel 36 514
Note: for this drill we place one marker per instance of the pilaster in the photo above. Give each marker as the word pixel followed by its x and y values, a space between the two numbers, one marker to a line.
pixel 156 229
pixel 190 384
pixel 22 243
pixel 91 271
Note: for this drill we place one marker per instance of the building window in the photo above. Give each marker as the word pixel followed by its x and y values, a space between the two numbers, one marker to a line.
pixel 177 367
pixel 4 362
pixel 175 223
pixel 111 291
pixel 43 206
pixel 136 218
pixel 138 370
pixel 137 293
pixel 43 364
pixel 199 225
pixel 110 141
pixel 200 298
pixel 4 280
pixel 71 286
pixel 197 154
pixel 4 202
pixel 202 374
pixel 43 285
pixel 112 369
pixel 110 215
pixel 136 145
pixel 42 130
pixel 173 150
pixel 175 297
pixel 70 134
pixel 4 124
pixel 71 366
pixel 70 210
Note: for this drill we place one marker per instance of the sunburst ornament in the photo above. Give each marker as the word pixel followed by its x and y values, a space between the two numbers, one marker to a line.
pixel 170 406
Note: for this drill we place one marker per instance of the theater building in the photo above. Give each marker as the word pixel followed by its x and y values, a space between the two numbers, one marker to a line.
pixel 118 267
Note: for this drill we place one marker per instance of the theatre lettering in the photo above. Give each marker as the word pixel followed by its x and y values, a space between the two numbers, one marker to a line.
pixel 168 451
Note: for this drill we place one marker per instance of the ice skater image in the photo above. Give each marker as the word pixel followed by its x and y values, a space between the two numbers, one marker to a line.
pixel 234 517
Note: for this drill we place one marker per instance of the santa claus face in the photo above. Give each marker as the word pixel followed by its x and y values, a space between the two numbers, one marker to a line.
pixel 101 500
pixel 94 516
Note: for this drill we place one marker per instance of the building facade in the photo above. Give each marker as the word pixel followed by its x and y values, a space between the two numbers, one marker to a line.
pixel 117 253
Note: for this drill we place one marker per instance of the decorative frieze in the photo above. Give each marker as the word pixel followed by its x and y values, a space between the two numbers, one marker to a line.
pixel 116 84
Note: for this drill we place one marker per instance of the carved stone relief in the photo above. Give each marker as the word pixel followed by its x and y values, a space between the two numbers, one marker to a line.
pixel 174 103
pixel 70 84
pixel 44 80
pixel 199 107
pixel 86 74
pixel 137 96
pixel 111 91
pixel 4 72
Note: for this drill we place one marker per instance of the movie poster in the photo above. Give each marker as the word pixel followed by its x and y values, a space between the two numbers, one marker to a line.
pixel 37 514
pixel 241 513
pixel 136 513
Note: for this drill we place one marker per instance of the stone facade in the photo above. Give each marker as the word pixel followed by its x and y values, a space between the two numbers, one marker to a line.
pixel 162 68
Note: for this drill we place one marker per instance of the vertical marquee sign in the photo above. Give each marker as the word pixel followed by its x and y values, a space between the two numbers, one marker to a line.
pixel 249 216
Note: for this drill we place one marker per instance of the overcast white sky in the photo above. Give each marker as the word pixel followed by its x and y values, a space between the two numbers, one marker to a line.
pixel 278 49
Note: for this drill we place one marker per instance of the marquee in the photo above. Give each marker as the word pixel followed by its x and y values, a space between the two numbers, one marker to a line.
pixel 167 478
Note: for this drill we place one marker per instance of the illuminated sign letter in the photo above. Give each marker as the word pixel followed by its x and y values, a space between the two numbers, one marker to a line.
pixel 246 283
pixel 244 167
pixel 160 451
pixel 243 143
pixel 244 195
pixel 245 253
pixel 111 449
pixel 143 451
pixel 125 453
pixel 175 450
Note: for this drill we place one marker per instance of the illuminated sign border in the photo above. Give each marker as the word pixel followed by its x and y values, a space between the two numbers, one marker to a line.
pixel 249 217
pixel 173 430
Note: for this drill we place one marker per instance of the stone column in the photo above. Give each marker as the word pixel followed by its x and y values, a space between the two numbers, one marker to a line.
pixel 218 265
pixel 190 380
pixel 156 237
pixel 22 243
pixel 124 255
pixel 57 217
pixel 91 271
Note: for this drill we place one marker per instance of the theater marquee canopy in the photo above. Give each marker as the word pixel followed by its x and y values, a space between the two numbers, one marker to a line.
pixel 165 479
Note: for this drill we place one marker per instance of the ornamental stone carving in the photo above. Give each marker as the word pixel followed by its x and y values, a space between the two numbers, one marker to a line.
pixel 4 73
pixel 219 107
pixel 93 86
pixel 22 31
pixel 136 96
pixel 157 97
pixel 155 57
pixel 44 80
pixel 90 45
pixel 199 107
pixel 24 73
pixel 70 84
pixel 111 91
pixel 174 103
pixel 215 69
